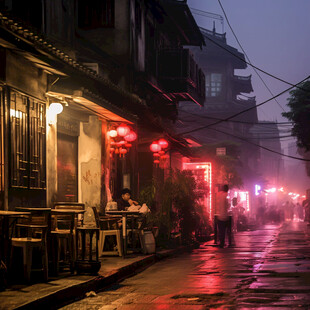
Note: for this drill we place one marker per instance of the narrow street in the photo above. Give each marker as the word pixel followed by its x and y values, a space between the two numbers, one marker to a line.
pixel 268 268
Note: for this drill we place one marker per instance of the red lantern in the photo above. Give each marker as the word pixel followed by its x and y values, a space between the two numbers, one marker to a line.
pixel 156 161
pixel 132 136
pixel 112 149
pixel 156 155
pixel 112 133
pixel 122 151
pixel 116 151
pixel 161 152
pixel 120 143
pixel 123 130
pixel 163 143
pixel 155 147
pixel 128 145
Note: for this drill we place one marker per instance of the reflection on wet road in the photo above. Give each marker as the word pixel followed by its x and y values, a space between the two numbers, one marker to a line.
pixel 269 267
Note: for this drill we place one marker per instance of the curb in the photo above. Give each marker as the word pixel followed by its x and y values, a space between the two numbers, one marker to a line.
pixel 98 283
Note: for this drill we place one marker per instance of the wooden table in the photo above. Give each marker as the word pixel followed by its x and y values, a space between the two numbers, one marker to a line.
pixel 5 236
pixel 124 215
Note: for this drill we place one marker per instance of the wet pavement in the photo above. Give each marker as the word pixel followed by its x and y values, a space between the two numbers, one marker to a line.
pixel 269 268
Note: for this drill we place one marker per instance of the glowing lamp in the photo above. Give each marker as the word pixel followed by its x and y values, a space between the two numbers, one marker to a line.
pixel 155 147
pixel 122 151
pixel 56 108
pixel 123 130
pixel 156 155
pixel 163 143
pixel 112 133
pixel 156 161
pixel 161 152
pixel 112 149
pixel 116 151
pixel 128 145
pixel 132 136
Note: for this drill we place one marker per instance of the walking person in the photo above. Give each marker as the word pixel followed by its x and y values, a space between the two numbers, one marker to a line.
pixel 223 218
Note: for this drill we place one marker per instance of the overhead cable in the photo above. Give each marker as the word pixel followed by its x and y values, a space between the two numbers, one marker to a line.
pixel 260 146
pixel 253 66
pixel 234 121
pixel 247 57
pixel 246 110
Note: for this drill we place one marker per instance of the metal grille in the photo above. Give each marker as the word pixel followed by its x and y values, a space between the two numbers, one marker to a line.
pixel 27 120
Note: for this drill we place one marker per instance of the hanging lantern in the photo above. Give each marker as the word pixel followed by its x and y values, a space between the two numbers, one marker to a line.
pixel 123 130
pixel 112 133
pixel 120 143
pixel 161 152
pixel 122 151
pixel 156 155
pixel 155 147
pixel 112 142
pixel 163 143
pixel 132 136
pixel 128 145
pixel 116 151
pixel 112 149
pixel 156 161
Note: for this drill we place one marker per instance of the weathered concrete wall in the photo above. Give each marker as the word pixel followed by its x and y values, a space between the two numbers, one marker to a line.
pixel 90 165
pixel 51 159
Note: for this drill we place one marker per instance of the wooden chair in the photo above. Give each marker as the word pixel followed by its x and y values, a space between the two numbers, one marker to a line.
pixel 108 227
pixel 64 235
pixel 31 232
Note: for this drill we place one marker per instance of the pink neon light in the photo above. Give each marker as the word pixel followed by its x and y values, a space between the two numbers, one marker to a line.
pixel 207 166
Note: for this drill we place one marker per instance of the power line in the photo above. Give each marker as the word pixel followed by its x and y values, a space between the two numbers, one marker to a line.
pixel 260 146
pixel 253 66
pixel 247 57
pixel 240 122
pixel 246 110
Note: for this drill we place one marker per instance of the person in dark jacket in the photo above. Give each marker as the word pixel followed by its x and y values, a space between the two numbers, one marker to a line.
pixel 125 201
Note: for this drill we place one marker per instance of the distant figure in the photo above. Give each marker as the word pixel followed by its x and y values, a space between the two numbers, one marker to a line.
pixel 260 215
pixel 222 210
pixel 299 211
pixel 287 210
pixel 306 206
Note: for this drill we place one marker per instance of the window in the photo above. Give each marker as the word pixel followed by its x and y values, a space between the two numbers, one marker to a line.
pixel 96 14
pixel 213 84
pixel 28 147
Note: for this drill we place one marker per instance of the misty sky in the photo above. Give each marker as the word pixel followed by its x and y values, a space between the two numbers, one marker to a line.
pixel 275 34
pixel 276 37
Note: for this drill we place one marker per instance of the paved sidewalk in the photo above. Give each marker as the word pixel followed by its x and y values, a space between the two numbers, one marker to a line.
pixel 57 292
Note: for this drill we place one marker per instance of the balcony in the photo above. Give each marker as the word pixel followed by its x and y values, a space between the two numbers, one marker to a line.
pixel 242 84
pixel 180 77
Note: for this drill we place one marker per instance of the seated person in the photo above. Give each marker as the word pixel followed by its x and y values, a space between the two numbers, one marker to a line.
pixel 125 201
